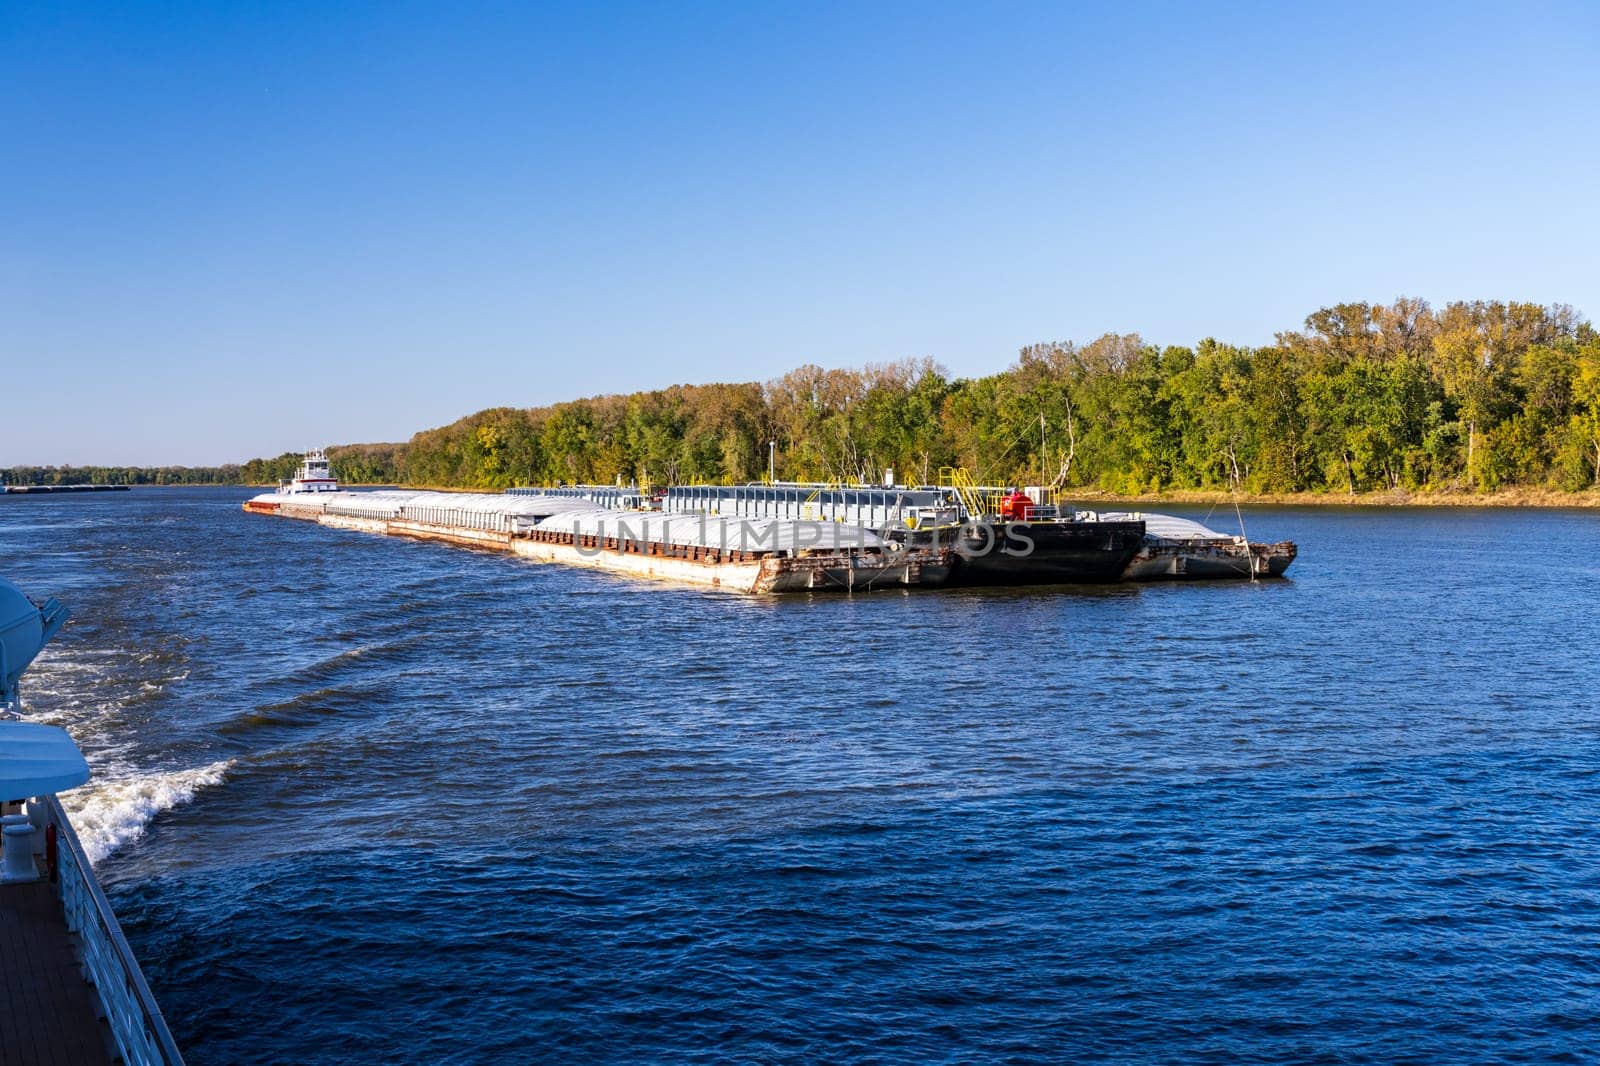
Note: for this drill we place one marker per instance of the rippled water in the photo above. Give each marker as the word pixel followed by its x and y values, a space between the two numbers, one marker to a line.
pixel 365 800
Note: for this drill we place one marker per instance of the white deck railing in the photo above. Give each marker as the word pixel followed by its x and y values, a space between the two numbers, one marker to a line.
pixel 139 1031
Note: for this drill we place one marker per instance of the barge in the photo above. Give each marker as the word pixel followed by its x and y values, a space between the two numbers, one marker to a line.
pixel 739 556
pixel 754 555
pixel 1005 535
pixel 1177 549
pixel 775 538
pixel 994 536
pixel 71 990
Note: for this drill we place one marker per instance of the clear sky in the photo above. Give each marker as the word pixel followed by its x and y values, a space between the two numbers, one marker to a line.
pixel 230 230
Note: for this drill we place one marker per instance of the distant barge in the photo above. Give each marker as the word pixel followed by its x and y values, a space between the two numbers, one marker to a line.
pixel 40 490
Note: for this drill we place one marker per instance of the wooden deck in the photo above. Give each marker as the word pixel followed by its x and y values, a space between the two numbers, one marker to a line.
pixel 47 1013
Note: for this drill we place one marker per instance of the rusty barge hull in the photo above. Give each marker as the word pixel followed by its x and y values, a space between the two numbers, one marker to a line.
pixel 751 572
pixel 1181 549
pixel 1162 561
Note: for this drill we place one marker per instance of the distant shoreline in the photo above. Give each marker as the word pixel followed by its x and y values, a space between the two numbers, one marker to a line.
pixel 1096 499
pixel 1535 499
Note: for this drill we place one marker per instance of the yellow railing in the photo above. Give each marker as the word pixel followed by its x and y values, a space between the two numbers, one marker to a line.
pixel 810 512
pixel 958 480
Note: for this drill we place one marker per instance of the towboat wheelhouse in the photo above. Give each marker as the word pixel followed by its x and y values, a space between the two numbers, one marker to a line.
pixel 313 475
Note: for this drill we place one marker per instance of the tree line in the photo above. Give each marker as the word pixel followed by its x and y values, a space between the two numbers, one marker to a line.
pixel 228 474
pixel 1473 396
pixel 358 463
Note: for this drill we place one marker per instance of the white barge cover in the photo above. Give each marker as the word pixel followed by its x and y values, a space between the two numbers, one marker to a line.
pixel 424 506
pixel 713 531
pixel 566 514
pixel 1167 527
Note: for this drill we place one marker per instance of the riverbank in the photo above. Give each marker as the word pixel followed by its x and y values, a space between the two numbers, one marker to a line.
pixel 1094 499
pixel 1518 497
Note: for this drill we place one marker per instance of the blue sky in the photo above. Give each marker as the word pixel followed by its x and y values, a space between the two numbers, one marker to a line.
pixel 230 230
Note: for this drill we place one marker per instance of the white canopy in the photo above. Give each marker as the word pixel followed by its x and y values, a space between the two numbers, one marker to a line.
pixel 420 504
pixel 1167 527
pixel 36 760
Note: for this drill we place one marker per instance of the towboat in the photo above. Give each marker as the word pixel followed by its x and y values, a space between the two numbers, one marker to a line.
pixel 313 476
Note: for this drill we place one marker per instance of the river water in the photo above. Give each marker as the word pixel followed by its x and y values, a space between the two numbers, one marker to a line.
pixel 359 799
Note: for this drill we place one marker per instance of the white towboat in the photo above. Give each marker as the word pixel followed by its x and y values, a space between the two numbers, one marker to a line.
pixel 313 475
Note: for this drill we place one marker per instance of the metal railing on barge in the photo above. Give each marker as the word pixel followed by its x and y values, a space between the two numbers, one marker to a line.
pixel 616 497
pixel 868 508
pixel 954 500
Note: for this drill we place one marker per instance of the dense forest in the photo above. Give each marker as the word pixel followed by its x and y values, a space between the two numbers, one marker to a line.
pixel 1471 397
pixel 357 463
pixel 230 474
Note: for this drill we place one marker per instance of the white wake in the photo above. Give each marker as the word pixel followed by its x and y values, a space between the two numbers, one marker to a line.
pixel 108 813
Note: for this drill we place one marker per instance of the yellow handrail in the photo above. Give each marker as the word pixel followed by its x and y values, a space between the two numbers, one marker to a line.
pixel 831 485
pixel 958 479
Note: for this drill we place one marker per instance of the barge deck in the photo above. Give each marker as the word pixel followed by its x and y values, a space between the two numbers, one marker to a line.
pixel 1177 549
pixel 748 556
pixel 996 536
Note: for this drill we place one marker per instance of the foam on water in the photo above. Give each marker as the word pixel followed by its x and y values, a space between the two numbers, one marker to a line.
pixel 100 695
pixel 112 812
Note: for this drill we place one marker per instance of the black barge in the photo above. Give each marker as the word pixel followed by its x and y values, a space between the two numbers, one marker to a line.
pixel 1057 551
pixel 997 536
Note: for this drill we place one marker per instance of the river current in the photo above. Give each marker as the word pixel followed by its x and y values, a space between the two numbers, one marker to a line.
pixel 359 799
